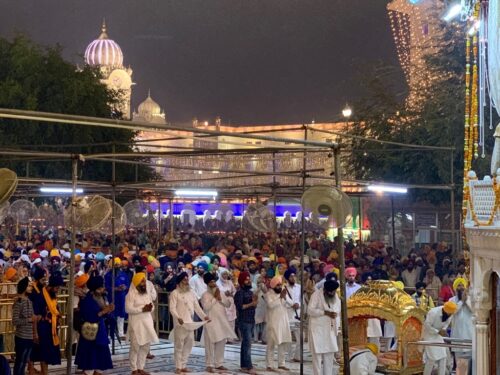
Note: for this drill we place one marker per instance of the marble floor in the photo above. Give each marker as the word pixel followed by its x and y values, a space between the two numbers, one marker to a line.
pixel 163 363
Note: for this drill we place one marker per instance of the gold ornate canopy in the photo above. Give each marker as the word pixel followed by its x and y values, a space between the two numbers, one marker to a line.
pixel 381 299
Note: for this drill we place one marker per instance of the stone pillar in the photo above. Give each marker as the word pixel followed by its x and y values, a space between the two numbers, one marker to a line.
pixel 481 343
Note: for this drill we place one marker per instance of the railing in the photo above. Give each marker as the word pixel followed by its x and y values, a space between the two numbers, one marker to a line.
pixel 161 316
pixel 7 332
pixel 450 342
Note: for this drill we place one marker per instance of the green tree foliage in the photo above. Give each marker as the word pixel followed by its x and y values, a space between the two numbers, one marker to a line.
pixel 39 79
pixel 432 115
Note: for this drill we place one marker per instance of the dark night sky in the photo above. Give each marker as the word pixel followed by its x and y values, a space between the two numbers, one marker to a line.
pixel 249 61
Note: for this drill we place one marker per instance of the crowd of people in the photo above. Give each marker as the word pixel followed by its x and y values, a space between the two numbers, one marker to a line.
pixel 226 287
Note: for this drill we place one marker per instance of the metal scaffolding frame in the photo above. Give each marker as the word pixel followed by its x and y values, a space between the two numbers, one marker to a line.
pixel 165 188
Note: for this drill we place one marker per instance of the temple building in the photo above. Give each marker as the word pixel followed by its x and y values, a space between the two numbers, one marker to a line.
pixel 108 56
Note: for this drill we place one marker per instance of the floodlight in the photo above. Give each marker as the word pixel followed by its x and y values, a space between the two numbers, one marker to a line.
pixel 60 190
pixel 452 12
pixel 387 189
pixel 347 112
pixel 195 193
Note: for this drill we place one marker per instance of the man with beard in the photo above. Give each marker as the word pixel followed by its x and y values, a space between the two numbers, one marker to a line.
pixel 461 325
pixel 293 308
pixel 183 304
pixel 323 309
pixel 351 286
pixel 436 323
pixel 422 300
pixel 410 275
pixel 141 330
pixel 278 327
pixel 45 308
pixel 226 286
pixel 252 269
pixel 94 354
pixel 121 286
pixel 196 282
pixel 245 302
pixel 218 331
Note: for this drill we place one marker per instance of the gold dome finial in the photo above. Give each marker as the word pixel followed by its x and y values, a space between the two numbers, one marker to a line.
pixel 104 31
pixel 149 93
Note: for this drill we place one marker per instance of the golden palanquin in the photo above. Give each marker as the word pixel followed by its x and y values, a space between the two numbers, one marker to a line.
pixel 382 300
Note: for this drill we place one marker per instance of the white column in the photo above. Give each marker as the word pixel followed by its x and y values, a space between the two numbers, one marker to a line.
pixel 480 343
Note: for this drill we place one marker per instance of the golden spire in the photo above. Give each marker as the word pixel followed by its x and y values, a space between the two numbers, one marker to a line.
pixel 104 34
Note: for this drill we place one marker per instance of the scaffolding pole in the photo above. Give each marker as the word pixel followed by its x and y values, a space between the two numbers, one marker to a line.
pixel 71 286
pixel 340 246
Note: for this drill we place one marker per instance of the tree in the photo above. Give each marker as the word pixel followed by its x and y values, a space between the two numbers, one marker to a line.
pixel 39 79
pixel 436 120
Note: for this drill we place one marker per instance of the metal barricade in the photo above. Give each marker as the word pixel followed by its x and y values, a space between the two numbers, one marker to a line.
pixel 450 342
pixel 8 294
pixel 164 319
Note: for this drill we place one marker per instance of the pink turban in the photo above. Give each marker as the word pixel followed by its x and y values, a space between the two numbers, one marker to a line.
pixel 351 271
pixel 275 281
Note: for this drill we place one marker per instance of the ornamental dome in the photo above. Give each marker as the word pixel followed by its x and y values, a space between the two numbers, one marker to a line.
pixel 104 51
pixel 150 111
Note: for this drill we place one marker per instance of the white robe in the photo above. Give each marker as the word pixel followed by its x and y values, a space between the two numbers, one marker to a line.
pixel 363 364
pixel 278 326
pixel 198 285
pixel 322 329
pixel 261 309
pixel 140 323
pixel 183 305
pixel 462 326
pixel 294 297
pixel 432 326
pixel 228 286
pixel 218 328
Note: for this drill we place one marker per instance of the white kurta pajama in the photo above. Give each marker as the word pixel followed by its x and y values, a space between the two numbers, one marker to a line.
pixel 141 331
pixel 322 332
pixel 228 286
pixel 462 327
pixel 183 305
pixel 218 330
pixel 277 328
pixel 294 296
pixel 435 354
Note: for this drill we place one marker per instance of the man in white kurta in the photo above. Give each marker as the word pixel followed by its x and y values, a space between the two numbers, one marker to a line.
pixel 437 321
pixel 219 330
pixel 226 286
pixel 183 303
pixel 196 282
pixel 277 327
pixel 364 361
pixel 461 325
pixel 293 308
pixel 141 330
pixel 323 309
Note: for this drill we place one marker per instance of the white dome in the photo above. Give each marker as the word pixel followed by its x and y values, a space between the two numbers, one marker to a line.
pixel 150 111
pixel 104 51
pixel 149 107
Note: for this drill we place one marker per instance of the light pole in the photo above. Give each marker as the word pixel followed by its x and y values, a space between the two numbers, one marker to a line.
pixel 391 190
pixel 347 113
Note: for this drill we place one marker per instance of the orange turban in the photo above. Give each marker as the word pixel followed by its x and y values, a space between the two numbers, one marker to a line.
pixel 10 273
pixel 81 280
pixel 450 307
